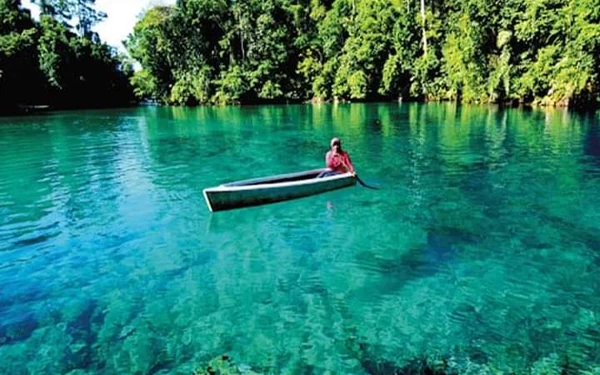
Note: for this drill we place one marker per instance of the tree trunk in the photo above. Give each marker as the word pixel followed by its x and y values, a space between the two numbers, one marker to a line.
pixel 423 25
pixel 237 13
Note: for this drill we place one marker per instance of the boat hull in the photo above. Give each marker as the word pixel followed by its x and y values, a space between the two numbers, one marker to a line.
pixel 273 189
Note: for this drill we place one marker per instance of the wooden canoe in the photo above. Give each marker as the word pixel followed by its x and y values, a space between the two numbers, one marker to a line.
pixel 273 189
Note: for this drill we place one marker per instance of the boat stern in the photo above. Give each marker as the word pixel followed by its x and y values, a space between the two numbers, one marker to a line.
pixel 206 192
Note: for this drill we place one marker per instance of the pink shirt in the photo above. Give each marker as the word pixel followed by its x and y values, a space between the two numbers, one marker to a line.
pixel 336 162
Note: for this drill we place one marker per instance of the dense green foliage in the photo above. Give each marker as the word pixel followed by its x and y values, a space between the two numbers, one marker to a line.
pixel 53 63
pixel 221 51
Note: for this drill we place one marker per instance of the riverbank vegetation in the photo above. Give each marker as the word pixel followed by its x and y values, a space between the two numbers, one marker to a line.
pixel 57 61
pixel 544 52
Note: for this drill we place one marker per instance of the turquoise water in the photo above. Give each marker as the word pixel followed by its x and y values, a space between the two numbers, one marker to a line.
pixel 482 248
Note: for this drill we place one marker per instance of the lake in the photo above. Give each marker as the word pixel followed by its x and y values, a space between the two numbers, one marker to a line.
pixel 481 251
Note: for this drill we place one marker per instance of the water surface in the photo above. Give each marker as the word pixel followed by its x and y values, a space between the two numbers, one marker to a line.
pixel 483 246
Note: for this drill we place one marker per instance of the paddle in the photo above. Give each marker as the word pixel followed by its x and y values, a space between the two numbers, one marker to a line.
pixel 364 184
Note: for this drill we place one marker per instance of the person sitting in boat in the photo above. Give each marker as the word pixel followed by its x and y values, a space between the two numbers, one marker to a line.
pixel 337 160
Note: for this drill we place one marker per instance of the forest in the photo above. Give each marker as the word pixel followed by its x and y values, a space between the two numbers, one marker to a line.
pixel 538 52
pixel 541 52
pixel 58 61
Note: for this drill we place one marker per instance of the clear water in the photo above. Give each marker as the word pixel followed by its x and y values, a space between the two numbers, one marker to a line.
pixel 482 247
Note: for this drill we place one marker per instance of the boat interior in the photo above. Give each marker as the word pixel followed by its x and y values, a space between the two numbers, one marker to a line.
pixel 278 179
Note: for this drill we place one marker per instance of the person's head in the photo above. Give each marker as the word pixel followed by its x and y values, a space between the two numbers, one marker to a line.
pixel 335 144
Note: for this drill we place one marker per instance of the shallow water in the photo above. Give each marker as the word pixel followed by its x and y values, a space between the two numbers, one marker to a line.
pixel 482 247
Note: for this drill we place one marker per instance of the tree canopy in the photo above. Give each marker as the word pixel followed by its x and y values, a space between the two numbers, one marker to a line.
pixel 225 51
pixel 58 60
pixel 543 52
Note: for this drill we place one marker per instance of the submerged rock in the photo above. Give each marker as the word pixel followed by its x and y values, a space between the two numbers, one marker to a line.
pixel 224 365
pixel 18 329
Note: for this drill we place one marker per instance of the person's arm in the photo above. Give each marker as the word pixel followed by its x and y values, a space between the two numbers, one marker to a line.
pixel 349 163
pixel 331 161
pixel 346 163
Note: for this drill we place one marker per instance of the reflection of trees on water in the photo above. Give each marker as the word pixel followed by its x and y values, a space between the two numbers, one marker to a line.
pixel 592 140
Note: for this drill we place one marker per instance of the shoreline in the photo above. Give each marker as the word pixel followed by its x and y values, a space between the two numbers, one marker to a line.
pixel 39 109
